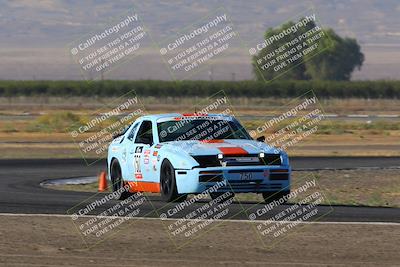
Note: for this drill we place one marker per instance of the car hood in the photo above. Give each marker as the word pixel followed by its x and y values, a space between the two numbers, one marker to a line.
pixel 214 147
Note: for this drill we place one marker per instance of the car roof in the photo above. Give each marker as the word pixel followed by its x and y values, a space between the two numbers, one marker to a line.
pixel 168 115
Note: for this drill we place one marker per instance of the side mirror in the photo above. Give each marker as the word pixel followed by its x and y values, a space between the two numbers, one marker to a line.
pixel 261 138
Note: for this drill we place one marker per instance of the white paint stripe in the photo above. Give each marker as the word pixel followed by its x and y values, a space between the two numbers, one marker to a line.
pixel 172 219
pixel 331 115
pixel 387 116
pixel 357 116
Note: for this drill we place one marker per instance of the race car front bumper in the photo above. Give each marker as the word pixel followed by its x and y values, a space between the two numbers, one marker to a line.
pixel 237 179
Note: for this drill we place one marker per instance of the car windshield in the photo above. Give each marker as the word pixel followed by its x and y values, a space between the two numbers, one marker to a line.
pixel 200 129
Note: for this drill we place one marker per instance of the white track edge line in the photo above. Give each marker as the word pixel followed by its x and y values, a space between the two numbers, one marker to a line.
pixel 174 219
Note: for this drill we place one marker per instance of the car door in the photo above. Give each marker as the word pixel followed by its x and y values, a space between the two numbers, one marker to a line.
pixel 130 147
pixel 140 152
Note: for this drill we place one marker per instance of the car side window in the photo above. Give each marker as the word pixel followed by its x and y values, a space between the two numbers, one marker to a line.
pixel 145 133
pixel 133 131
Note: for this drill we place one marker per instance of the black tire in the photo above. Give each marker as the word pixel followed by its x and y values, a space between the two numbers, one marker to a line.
pixel 272 196
pixel 169 192
pixel 215 195
pixel 118 182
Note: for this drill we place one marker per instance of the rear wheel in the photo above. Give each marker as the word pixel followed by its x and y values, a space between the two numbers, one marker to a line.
pixel 118 183
pixel 169 192
pixel 275 196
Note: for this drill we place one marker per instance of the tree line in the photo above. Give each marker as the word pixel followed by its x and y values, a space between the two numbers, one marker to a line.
pixel 278 88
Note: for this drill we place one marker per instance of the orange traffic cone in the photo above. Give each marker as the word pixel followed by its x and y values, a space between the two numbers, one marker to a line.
pixel 102 182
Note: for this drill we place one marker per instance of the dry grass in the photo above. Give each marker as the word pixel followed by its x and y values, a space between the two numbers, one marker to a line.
pixel 255 106
pixel 46 145
pixel 334 138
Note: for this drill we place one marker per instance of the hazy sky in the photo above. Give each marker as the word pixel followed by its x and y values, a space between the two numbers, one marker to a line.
pixel 36 36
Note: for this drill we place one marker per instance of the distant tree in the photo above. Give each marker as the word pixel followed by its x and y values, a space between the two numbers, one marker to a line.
pixel 336 59
pixel 297 73
pixel 341 57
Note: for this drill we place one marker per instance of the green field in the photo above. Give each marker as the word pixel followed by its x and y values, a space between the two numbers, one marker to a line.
pixel 280 89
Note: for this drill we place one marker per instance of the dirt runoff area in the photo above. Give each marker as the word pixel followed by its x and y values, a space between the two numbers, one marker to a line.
pixel 54 241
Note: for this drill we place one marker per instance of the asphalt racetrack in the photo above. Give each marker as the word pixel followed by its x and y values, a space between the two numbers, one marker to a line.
pixel 21 193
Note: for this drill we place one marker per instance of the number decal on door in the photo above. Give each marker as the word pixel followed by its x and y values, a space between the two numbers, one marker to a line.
pixel 136 162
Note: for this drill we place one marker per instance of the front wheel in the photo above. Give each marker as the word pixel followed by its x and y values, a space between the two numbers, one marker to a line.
pixel 120 190
pixel 169 192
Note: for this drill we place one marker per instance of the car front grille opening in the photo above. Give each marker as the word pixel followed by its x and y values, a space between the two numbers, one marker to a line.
pixel 207 161
pixel 271 159
pixel 279 176
pixel 210 178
